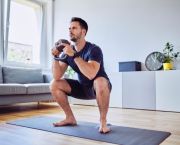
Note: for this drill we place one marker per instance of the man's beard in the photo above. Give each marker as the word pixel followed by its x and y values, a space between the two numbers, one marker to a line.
pixel 75 38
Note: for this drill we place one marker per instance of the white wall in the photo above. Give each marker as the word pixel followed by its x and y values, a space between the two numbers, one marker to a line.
pixel 125 29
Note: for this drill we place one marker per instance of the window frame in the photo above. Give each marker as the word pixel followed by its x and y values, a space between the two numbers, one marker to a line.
pixel 45 40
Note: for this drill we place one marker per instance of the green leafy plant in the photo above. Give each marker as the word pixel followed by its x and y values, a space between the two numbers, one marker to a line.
pixel 169 54
pixel 69 72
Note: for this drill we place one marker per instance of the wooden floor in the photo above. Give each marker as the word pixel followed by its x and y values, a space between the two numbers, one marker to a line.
pixel 14 135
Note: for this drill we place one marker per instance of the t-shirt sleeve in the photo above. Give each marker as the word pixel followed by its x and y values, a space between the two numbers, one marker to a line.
pixel 96 54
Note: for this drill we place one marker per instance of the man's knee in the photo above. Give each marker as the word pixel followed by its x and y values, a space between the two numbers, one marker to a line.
pixel 100 82
pixel 59 85
pixel 101 85
pixel 53 85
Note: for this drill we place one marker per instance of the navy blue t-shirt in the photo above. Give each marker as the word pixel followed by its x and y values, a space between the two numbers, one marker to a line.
pixel 89 52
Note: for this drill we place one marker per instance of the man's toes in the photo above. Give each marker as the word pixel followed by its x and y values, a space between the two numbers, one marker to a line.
pixel 104 130
pixel 107 130
pixel 57 124
pixel 64 123
pixel 100 129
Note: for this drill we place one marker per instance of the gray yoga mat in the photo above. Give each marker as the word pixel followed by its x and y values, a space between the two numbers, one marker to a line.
pixel 118 135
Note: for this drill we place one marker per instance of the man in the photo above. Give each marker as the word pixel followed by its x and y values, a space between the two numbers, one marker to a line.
pixel 87 60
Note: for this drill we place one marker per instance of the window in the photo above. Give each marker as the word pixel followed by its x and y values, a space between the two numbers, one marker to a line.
pixel 24 38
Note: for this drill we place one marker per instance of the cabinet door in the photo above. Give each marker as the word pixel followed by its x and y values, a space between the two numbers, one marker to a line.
pixel 139 90
pixel 116 92
pixel 168 90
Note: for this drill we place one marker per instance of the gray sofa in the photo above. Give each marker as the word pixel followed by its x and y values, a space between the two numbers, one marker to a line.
pixel 20 85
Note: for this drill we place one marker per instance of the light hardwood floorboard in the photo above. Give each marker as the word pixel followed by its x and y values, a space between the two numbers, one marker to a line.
pixel 15 135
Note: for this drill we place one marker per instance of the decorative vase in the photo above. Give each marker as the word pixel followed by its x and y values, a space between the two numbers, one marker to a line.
pixel 168 66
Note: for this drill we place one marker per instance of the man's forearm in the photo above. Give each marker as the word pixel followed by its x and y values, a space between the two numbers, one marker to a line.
pixel 56 70
pixel 86 68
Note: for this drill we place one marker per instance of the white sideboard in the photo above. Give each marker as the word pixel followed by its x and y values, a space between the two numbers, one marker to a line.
pixel 153 90
pixel 168 90
pixel 139 90
pixel 116 92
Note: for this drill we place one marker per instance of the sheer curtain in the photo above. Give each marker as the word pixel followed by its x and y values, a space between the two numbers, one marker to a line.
pixel 1 32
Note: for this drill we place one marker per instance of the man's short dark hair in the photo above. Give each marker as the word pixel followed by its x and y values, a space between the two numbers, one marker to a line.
pixel 82 22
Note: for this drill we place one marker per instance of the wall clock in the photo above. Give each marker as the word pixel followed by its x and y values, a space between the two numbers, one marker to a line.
pixel 154 61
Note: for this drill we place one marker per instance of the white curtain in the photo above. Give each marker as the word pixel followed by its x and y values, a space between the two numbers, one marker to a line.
pixel 4 25
pixel 1 34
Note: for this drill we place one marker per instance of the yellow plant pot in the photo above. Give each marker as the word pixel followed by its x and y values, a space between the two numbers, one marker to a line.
pixel 168 66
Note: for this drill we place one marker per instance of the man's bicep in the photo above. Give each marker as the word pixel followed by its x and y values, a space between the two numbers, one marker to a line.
pixel 95 65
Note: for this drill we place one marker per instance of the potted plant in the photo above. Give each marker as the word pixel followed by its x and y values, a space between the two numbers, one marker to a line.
pixel 69 73
pixel 169 56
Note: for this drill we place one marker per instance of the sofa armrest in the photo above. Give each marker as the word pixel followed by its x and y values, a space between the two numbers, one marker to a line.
pixel 47 78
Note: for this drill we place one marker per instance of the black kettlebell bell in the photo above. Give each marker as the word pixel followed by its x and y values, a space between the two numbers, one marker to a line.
pixel 60 48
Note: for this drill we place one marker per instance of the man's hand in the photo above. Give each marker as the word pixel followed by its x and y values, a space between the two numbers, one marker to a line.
pixel 68 50
pixel 55 52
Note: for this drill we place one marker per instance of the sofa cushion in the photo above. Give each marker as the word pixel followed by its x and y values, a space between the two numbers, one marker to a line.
pixel 8 89
pixel 39 88
pixel 22 75
pixel 47 78
pixel 1 78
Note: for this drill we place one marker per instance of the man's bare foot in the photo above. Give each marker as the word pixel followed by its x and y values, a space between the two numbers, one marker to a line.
pixel 65 122
pixel 104 128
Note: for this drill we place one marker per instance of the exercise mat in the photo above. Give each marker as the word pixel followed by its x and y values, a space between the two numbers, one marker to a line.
pixel 119 134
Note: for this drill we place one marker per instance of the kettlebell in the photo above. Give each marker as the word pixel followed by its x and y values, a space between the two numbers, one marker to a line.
pixel 60 47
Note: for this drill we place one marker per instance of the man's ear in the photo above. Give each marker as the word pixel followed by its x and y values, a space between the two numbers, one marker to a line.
pixel 84 31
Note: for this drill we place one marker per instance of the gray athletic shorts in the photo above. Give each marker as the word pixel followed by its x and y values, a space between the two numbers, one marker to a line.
pixel 80 91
